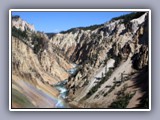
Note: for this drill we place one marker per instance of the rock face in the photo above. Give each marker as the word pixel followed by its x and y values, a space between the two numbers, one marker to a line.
pixel 109 56
pixel 37 66
pixel 126 43
pixel 32 77
pixel 21 24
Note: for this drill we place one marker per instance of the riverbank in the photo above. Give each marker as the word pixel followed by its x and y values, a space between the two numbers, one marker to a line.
pixel 63 92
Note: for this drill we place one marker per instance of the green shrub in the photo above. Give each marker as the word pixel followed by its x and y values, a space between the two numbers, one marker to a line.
pixel 110 90
pixel 98 85
pixel 122 101
pixel 18 33
pixel 117 59
pixel 38 42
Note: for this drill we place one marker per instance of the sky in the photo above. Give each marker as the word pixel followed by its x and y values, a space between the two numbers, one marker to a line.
pixel 54 22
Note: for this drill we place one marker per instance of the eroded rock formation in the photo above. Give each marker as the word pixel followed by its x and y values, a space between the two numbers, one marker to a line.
pixel 104 55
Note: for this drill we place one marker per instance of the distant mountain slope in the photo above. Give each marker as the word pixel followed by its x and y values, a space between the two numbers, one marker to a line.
pixel 109 62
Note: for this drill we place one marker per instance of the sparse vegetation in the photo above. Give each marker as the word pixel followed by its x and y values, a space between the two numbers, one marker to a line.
pixel 111 54
pixel 121 101
pixel 117 59
pixel 128 17
pixel 92 59
pixel 86 83
pixel 15 17
pixel 98 85
pixel 94 53
pixel 73 30
pixel 39 43
pixel 50 35
pixel 105 61
pixel 145 103
pixel 18 33
pixel 110 90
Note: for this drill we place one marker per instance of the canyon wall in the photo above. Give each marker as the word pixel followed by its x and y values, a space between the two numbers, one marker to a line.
pixel 108 59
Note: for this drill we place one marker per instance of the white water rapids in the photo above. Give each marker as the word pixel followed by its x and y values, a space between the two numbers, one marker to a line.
pixel 63 90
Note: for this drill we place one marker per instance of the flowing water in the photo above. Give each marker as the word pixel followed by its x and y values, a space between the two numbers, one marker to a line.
pixel 61 103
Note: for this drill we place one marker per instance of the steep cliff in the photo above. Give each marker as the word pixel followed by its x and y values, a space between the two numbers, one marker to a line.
pixel 36 67
pixel 111 64
pixel 21 24
pixel 123 40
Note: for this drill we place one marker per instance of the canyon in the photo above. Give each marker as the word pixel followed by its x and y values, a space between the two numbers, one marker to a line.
pixel 99 66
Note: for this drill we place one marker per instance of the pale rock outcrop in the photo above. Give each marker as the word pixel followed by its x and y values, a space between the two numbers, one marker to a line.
pixel 21 24
pixel 32 78
pixel 124 43
pixel 92 48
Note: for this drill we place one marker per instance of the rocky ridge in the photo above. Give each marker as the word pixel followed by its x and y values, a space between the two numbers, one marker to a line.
pixel 104 54
pixel 21 24
pixel 34 74
pixel 126 43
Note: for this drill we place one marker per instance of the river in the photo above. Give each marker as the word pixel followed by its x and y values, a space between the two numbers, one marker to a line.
pixel 61 87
